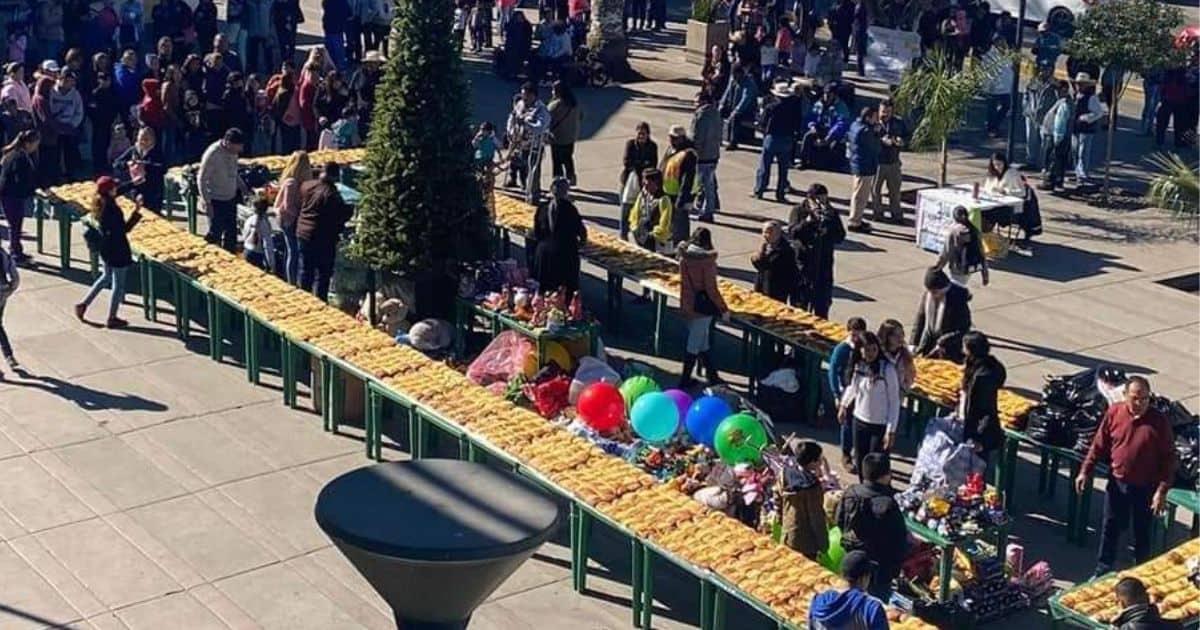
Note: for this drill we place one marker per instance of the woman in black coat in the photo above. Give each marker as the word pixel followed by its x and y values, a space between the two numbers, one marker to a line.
pixel 18 180
pixel 143 165
pixel 559 232
pixel 775 262
pixel 111 241
pixel 983 376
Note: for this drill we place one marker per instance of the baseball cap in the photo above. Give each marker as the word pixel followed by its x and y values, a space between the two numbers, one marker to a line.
pixel 50 65
pixel 677 131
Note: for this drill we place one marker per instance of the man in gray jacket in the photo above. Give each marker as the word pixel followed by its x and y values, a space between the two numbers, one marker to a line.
pixel 66 111
pixel 706 136
pixel 219 185
pixel 1040 95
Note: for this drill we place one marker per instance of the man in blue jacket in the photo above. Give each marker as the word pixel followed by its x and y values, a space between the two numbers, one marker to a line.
pixel 862 151
pixel 839 377
pixel 851 608
pixel 739 105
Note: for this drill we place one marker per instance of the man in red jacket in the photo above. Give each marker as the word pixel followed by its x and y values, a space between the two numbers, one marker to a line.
pixel 1137 442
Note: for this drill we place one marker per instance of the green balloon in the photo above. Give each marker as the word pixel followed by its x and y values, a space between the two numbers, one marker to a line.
pixel 740 438
pixel 635 386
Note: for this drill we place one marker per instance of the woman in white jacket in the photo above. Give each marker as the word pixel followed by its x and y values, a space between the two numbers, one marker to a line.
pixel 872 400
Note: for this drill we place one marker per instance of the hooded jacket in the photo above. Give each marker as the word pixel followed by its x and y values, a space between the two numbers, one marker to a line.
pixel 151 111
pixel 851 609
pixel 776 267
pixel 981 417
pixel 871 521
pixel 67 110
pixel 956 318
pixel 698 272
pixel 803 519
pixel 1143 617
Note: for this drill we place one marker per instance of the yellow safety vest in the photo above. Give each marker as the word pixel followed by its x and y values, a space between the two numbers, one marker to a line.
pixel 673 173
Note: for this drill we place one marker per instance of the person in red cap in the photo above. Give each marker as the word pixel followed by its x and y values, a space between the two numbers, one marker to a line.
pixel 111 241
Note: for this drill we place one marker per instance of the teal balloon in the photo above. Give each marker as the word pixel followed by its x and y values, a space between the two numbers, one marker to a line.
pixel 654 417
pixel 635 387
pixel 832 557
pixel 704 417
pixel 740 439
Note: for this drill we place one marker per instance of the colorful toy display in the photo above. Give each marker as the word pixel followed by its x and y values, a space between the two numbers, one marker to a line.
pixel 654 417
pixel 740 439
pixel 636 386
pixel 955 513
pixel 601 406
pixel 703 418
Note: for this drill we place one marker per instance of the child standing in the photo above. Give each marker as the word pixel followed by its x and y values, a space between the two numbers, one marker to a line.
pixel 10 279
pixel 326 140
pixel 485 154
pixel 345 130
pixel 802 498
pixel 119 143
pixel 257 244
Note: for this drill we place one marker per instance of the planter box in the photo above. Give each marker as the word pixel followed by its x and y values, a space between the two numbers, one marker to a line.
pixel 702 36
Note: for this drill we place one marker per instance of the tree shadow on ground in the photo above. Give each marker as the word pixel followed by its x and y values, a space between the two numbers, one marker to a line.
pixel 1062 263
pixel 1065 356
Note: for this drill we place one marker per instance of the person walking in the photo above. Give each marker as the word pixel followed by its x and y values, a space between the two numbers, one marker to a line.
pixel 527 126
pixel 871 400
pixel 943 316
pixel 10 281
pixel 1137 443
pixel 112 245
pixel 851 608
pixel 775 264
pixel 838 378
pixel 220 187
pixel 862 149
pixel 18 181
pixel 558 233
pixel 641 155
pixel 679 166
pixel 893 137
pixel 706 137
pixel 963 251
pixel 781 122
pixel 566 115
pixel 1041 93
pixel 1088 114
pixel 983 376
pixel 699 302
pixel 296 172
pixel 323 216
pixel 815 230
pixel 872 523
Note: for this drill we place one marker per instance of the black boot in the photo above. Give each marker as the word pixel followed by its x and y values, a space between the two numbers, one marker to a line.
pixel 689 366
pixel 710 370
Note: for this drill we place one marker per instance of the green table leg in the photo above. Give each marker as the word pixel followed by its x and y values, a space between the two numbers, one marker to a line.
pixel 288 370
pixel 718 609
pixel 64 239
pixel 374 410
pixel 635 580
pixel 464 447
pixel 1043 470
pixel 337 397
pixel 326 393
pixel 706 604
pixel 39 217
pixel 191 203
pixel 945 571
pixel 214 328
pixel 647 588
pixel 248 342
pixel 585 540
pixel 143 272
pixel 660 308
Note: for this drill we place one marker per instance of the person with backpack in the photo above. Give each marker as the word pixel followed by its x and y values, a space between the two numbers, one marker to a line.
pixel 839 377
pixel 109 237
pixel 963 251
pixel 18 180
pixel 872 524
pixel 10 280
pixel 871 401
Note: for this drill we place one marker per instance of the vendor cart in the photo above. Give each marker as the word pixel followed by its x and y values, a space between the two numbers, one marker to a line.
pixel 989 213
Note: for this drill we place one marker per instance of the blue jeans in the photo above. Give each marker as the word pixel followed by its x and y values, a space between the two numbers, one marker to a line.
pixel 779 150
pixel 1083 154
pixel 113 277
pixel 1033 141
pixel 1150 108
pixel 291 268
pixel 709 200
pixel 335 45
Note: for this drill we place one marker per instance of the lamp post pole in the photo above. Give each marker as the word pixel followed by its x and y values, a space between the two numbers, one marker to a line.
pixel 1014 108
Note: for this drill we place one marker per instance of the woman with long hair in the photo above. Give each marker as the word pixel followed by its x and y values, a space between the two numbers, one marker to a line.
pixel 872 400
pixel 113 248
pixel 306 99
pixel 296 172
pixel 18 181
pixel 143 164
pixel 48 166
pixel 285 111
pixel 895 349
pixel 983 376
pixel 963 254
pixel 565 117
pixel 699 302
pixel 1002 179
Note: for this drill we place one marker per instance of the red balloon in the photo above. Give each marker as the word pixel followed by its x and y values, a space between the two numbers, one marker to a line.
pixel 601 406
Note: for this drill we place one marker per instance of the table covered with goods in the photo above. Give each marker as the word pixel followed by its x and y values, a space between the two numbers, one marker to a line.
pixel 623 453
pixel 1172 580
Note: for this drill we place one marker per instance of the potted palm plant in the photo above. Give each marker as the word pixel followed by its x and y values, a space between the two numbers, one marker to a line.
pixel 706 28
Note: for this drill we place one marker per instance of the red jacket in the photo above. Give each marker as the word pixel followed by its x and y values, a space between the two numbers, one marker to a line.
pixel 1140 451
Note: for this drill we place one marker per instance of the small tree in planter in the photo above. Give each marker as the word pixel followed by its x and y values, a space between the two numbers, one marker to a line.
pixel 938 95
pixel 606 35
pixel 1133 35
pixel 706 27
pixel 422 210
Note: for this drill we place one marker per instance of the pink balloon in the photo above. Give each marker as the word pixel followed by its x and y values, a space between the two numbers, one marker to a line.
pixel 682 401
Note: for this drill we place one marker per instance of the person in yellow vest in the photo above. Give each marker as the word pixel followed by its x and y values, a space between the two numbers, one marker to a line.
pixel 651 214
pixel 679 181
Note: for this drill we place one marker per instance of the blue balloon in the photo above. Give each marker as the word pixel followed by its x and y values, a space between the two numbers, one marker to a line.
pixel 654 417
pixel 704 417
